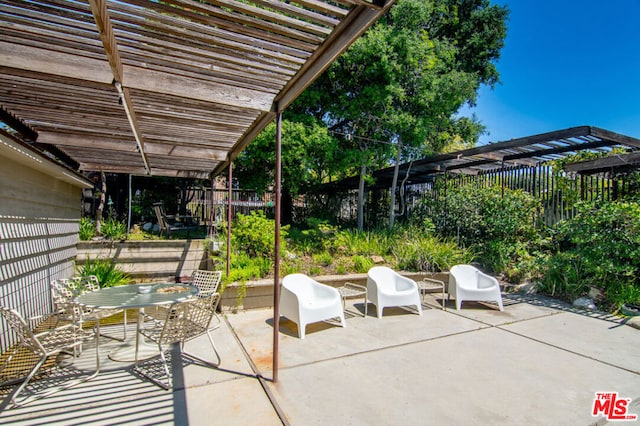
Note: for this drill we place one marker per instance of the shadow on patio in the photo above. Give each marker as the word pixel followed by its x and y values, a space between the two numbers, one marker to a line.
pixel 538 362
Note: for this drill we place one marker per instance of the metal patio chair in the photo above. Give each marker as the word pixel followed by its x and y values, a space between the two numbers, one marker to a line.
pixel 185 321
pixel 44 345
pixel 206 281
pixel 64 291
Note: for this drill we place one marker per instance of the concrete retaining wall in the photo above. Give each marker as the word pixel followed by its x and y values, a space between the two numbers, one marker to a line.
pixel 259 294
pixel 148 260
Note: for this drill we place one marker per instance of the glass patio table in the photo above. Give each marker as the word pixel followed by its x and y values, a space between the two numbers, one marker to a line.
pixel 136 296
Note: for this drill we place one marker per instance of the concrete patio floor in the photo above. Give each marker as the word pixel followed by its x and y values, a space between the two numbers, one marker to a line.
pixel 538 362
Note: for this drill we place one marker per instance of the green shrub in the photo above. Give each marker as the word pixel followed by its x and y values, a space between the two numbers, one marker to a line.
pixel 245 267
pixel 323 259
pixel 416 251
pixel 565 277
pixel 599 248
pixel 343 265
pixel 354 242
pixel 312 239
pixel 500 228
pixel 108 273
pixel 113 229
pixel 315 270
pixel 254 234
pixel 290 266
pixel 87 229
pixel 362 263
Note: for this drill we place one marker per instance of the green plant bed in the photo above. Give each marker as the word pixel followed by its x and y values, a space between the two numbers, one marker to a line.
pixel 108 273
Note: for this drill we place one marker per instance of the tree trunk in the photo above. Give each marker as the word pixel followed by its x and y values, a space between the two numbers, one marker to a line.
pixel 103 198
pixel 363 171
pixel 394 184
pixel 286 207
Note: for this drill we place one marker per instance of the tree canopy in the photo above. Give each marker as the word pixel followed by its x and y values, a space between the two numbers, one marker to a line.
pixel 393 94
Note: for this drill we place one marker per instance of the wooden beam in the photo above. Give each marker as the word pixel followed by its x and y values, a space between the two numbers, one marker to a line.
pixel 558 150
pixel 602 164
pixel 259 124
pixel 88 69
pixel 133 121
pixel 615 137
pixel 18 125
pixel 55 63
pixel 345 33
pixel 101 16
pixel 79 140
pixel 187 87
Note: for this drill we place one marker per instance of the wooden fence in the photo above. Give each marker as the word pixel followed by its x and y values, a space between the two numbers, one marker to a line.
pixel 558 191
pixel 211 207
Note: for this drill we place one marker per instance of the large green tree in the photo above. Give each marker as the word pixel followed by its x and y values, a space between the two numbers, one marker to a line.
pixel 308 159
pixel 395 93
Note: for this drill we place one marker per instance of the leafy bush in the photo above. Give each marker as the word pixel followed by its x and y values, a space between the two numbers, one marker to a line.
pixel 108 273
pixel 598 249
pixel 362 263
pixel 254 234
pixel 354 242
pixel 311 240
pixel 501 229
pixel 87 229
pixel 245 267
pixel 324 258
pixel 113 229
pixel 416 252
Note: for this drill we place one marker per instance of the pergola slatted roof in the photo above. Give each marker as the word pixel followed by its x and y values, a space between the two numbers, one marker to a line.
pixel 530 151
pixel 173 88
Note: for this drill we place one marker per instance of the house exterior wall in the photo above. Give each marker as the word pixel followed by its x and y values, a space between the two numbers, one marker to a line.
pixel 39 222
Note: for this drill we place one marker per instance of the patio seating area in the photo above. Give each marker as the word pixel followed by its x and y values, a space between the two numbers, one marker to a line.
pixel 537 362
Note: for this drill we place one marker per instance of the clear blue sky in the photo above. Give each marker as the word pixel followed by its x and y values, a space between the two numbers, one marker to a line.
pixel 565 63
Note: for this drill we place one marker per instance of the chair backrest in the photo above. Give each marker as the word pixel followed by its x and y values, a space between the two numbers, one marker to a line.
pixel 299 284
pixel 161 216
pixel 189 319
pixel 464 275
pixel 63 293
pixel 89 283
pixel 306 287
pixel 22 330
pixel 84 284
pixel 206 281
pixel 384 277
pixel 486 280
pixel 382 273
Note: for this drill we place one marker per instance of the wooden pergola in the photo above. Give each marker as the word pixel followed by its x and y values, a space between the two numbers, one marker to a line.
pixel 525 151
pixel 169 87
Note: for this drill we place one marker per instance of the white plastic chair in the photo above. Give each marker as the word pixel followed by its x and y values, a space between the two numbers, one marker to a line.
pixel 386 287
pixel 304 300
pixel 466 282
